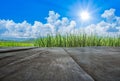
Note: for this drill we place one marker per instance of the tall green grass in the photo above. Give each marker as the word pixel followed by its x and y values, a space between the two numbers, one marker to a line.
pixel 15 44
pixel 81 40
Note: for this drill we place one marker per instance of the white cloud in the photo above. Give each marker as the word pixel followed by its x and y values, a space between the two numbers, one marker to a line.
pixel 110 26
pixel 13 29
pixel 53 17
pixel 108 13
pixel 55 24
pixel 8 28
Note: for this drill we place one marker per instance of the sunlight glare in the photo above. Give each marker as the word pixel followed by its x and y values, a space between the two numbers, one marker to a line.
pixel 85 15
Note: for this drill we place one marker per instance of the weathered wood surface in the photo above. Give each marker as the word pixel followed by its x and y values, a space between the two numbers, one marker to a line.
pixel 61 64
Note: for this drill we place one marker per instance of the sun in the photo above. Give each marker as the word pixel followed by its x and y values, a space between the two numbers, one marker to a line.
pixel 85 15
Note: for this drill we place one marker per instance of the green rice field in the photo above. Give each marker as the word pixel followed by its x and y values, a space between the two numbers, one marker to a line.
pixel 14 43
pixel 66 41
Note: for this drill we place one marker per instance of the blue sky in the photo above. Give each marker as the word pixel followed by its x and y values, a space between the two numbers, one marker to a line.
pixel 32 12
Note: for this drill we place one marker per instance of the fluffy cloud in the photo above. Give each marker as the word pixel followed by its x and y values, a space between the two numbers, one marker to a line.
pixel 108 13
pixel 8 28
pixel 110 25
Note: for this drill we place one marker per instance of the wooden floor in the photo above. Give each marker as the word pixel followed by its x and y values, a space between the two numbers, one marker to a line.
pixel 60 64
